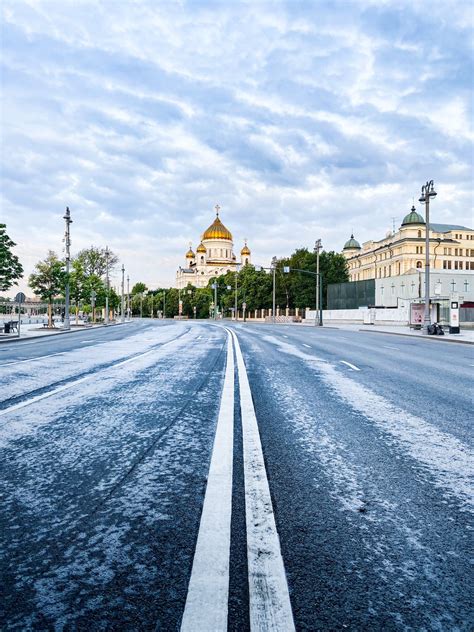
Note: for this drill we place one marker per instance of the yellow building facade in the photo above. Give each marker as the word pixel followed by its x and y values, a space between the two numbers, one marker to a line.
pixel 403 252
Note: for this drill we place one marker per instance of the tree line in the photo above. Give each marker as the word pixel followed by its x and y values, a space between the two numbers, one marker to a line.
pixel 254 288
pixel 88 289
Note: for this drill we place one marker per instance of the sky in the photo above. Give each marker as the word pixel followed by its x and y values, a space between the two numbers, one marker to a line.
pixel 301 119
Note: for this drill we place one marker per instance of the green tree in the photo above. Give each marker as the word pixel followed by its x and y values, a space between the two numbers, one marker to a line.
pixel 77 285
pixel 139 288
pixel 299 289
pixel 94 285
pixel 94 261
pixel 48 280
pixel 10 267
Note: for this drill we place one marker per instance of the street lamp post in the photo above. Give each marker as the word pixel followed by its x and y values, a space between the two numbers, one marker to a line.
pixel 274 266
pixel 128 297
pixel 317 248
pixel 287 269
pixel 93 295
pixel 122 315
pixel 237 269
pixel 214 287
pixel 107 254
pixel 67 239
pixel 427 192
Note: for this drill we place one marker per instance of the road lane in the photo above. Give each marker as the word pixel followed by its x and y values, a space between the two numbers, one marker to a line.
pixel 102 492
pixel 427 377
pixel 374 529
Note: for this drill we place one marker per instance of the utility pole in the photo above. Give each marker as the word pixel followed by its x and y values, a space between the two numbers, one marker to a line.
pixel 235 301
pixel 67 239
pixel 215 300
pixel 164 303
pixel 122 315
pixel 128 297
pixel 107 254
pixel 274 266
pixel 317 248
pixel 427 191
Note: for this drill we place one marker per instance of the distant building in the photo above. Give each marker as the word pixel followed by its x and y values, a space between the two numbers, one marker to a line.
pixel 403 252
pixel 214 256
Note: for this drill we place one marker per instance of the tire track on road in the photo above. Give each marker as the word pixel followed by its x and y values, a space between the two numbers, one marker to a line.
pixel 25 399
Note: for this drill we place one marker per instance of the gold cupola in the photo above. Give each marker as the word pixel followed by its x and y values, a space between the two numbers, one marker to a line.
pixel 245 250
pixel 190 254
pixel 201 248
pixel 217 230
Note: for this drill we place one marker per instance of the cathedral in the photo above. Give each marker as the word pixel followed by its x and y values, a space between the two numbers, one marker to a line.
pixel 214 256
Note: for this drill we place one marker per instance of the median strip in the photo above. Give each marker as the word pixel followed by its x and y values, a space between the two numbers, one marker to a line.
pixel 208 592
pixel 270 606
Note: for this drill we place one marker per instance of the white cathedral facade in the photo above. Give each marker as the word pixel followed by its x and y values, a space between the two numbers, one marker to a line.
pixel 214 256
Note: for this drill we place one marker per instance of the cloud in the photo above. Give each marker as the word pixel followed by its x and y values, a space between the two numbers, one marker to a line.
pixel 303 120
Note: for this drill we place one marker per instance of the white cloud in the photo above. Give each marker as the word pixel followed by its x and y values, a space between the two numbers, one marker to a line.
pixel 303 121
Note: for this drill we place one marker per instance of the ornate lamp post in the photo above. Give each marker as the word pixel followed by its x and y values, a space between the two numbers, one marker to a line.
pixel 122 306
pixel 427 192
pixel 107 254
pixel 317 248
pixel 67 239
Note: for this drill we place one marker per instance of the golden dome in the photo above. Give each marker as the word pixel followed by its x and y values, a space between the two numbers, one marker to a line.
pixel 190 254
pixel 245 250
pixel 201 248
pixel 217 230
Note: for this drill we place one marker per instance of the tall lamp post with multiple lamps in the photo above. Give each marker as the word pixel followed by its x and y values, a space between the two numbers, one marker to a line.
pixel 67 239
pixel 236 307
pixel 128 297
pixel 427 192
pixel 273 269
pixel 317 248
pixel 319 285
pixel 107 255
pixel 122 306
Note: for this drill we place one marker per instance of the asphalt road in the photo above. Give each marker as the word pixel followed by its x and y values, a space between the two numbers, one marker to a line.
pixel 166 476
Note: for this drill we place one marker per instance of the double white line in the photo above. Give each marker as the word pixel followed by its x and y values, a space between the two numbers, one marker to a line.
pixel 208 593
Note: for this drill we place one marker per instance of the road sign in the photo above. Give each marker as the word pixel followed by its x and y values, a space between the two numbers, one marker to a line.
pixel 286 269
pixel 20 297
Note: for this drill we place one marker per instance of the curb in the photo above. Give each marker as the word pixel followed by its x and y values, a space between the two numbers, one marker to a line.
pixel 422 336
pixel 56 333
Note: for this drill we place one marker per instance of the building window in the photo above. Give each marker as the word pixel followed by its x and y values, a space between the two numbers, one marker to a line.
pixel 419 234
pixel 455 265
pixel 471 265
pixel 460 265
pixel 456 251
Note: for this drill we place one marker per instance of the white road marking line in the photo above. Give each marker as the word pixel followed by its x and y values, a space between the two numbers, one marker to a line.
pixel 33 359
pixel 208 592
pixel 83 342
pixel 270 606
pixel 390 347
pixel 352 366
pixel 309 347
pixel 69 385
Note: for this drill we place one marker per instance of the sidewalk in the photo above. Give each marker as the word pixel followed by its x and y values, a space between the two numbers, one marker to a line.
pixel 36 330
pixel 466 336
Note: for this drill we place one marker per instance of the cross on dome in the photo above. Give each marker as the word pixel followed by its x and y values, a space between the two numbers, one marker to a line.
pixel 218 208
